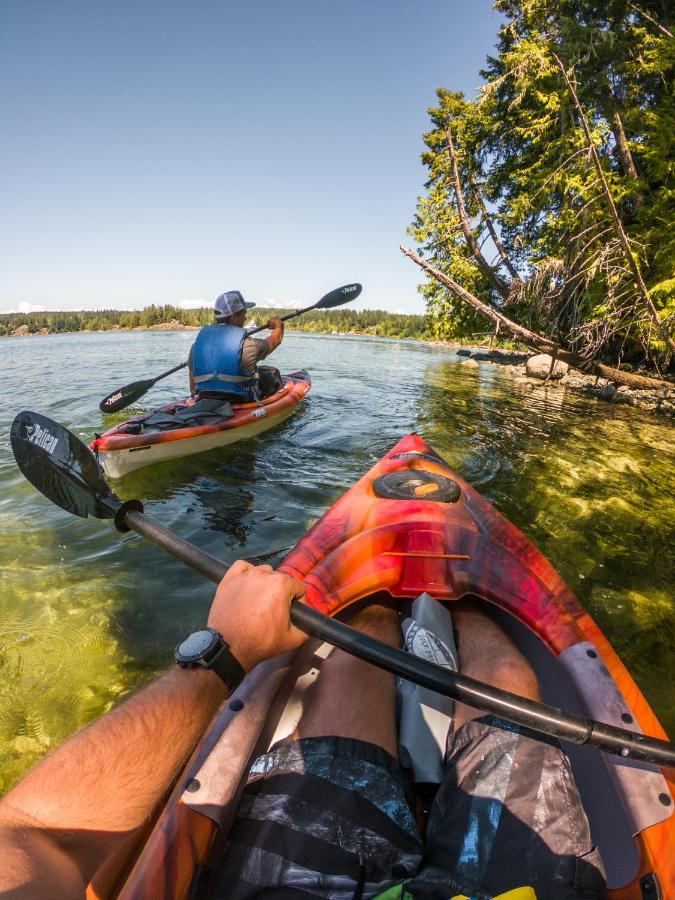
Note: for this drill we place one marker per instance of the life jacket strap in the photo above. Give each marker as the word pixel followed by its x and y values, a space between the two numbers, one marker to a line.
pixel 218 376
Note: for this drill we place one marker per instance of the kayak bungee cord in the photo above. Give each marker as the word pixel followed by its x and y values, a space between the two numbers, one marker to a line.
pixel 62 468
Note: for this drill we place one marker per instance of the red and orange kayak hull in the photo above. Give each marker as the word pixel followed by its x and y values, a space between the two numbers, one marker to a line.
pixel 404 529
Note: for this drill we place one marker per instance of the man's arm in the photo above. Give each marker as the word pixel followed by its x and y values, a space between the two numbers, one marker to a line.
pixel 276 326
pixel 85 800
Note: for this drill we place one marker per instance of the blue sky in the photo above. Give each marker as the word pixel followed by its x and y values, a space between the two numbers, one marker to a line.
pixel 157 151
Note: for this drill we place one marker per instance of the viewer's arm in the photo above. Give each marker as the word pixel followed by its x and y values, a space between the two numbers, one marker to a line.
pixel 83 801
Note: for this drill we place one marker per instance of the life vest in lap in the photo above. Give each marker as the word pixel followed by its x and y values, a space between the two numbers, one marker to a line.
pixel 216 362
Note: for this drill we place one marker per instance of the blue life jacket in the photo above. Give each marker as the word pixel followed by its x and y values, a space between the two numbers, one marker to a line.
pixel 216 362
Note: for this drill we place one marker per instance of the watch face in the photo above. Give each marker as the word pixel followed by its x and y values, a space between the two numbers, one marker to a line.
pixel 196 645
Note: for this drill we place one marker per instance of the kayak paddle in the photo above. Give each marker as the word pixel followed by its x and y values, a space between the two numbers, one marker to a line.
pixel 128 394
pixel 62 468
pixel 337 297
pixel 125 396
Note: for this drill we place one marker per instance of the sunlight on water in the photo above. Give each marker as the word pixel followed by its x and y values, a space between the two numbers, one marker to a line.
pixel 60 664
pixel 87 615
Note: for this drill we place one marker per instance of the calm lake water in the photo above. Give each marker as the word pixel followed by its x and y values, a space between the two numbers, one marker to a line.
pixel 87 615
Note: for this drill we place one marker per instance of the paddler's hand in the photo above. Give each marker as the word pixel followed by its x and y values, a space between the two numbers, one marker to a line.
pixel 275 323
pixel 251 610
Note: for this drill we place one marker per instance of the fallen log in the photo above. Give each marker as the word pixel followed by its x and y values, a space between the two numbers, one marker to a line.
pixel 537 341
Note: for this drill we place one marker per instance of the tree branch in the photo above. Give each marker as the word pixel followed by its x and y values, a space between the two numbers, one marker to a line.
pixel 649 18
pixel 530 338
pixel 487 218
pixel 500 285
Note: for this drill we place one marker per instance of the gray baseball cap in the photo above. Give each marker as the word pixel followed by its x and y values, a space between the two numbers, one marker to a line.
pixel 229 303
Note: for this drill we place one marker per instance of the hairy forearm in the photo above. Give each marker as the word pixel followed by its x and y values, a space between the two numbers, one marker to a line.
pixel 85 799
pixel 275 337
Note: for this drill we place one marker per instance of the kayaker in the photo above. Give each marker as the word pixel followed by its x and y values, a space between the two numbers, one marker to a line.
pixel 325 812
pixel 223 360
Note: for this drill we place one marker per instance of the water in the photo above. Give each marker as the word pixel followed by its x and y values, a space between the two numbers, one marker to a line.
pixel 87 615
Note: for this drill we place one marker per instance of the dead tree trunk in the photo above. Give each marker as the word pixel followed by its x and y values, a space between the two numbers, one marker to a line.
pixel 530 338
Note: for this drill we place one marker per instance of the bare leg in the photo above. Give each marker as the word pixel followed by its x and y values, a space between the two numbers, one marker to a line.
pixel 487 654
pixel 353 698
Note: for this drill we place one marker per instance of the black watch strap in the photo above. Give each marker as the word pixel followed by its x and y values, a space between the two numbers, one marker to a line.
pixel 226 666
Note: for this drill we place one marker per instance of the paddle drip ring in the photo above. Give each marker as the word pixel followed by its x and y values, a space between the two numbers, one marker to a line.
pixel 416 484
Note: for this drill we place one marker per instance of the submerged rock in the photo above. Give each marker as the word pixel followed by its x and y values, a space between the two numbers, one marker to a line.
pixel 470 363
pixel 607 392
pixel 540 366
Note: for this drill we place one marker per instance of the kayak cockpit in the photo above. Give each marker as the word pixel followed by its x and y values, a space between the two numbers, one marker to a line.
pixel 267 707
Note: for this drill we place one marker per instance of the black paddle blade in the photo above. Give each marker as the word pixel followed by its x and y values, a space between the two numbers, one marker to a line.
pixel 125 396
pixel 340 295
pixel 61 467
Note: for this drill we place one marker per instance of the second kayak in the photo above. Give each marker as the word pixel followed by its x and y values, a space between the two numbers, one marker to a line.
pixel 159 435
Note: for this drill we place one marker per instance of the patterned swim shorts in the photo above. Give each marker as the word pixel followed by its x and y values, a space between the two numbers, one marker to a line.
pixel 331 817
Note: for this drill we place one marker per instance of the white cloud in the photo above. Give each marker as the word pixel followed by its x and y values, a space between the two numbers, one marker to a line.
pixel 28 308
pixel 193 304
pixel 270 302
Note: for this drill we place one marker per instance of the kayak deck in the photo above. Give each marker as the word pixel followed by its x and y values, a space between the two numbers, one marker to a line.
pixel 121 452
pixel 389 534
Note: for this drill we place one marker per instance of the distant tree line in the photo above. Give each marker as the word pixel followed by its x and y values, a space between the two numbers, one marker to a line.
pixel 374 322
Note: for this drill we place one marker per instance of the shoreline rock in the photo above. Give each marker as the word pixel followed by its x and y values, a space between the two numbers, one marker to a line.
pixel 526 369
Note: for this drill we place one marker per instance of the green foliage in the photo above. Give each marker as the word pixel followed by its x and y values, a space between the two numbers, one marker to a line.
pixel 524 166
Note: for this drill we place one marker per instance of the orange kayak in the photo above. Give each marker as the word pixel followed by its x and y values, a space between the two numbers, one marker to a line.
pixel 130 446
pixel 410 525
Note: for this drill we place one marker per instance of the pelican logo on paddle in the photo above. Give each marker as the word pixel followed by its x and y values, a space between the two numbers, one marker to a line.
pixel 114 397
pixel 350 289
pixel 42 438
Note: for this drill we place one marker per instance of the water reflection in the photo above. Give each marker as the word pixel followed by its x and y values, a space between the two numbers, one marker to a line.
pixel 590 485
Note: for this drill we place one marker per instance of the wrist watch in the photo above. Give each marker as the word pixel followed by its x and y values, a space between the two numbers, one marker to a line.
pixel 206 649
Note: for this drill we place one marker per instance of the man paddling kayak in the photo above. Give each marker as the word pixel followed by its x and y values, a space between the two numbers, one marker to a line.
pixel 223 360
pixel 326 812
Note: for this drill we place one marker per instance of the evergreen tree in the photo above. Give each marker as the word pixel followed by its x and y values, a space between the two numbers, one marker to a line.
pixel 563 168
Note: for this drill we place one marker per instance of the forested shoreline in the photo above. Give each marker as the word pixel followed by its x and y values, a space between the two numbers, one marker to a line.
pixel 379 323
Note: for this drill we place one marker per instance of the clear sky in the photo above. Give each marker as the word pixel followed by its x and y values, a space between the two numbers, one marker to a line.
pixel 162 151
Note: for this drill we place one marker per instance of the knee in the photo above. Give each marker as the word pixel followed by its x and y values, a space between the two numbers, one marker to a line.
pixel 514 674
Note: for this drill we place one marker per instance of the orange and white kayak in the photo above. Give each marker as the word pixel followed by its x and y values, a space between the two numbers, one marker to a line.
pixel 137 442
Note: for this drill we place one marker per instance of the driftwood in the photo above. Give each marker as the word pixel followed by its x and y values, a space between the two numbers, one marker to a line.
pixel 533 340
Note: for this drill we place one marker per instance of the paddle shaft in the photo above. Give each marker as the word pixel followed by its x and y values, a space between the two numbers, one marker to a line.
pixel 292 315
pixel 171 371
pixel 538 716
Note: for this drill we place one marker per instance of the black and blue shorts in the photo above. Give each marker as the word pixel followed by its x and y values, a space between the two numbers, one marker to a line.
pixel 332 817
